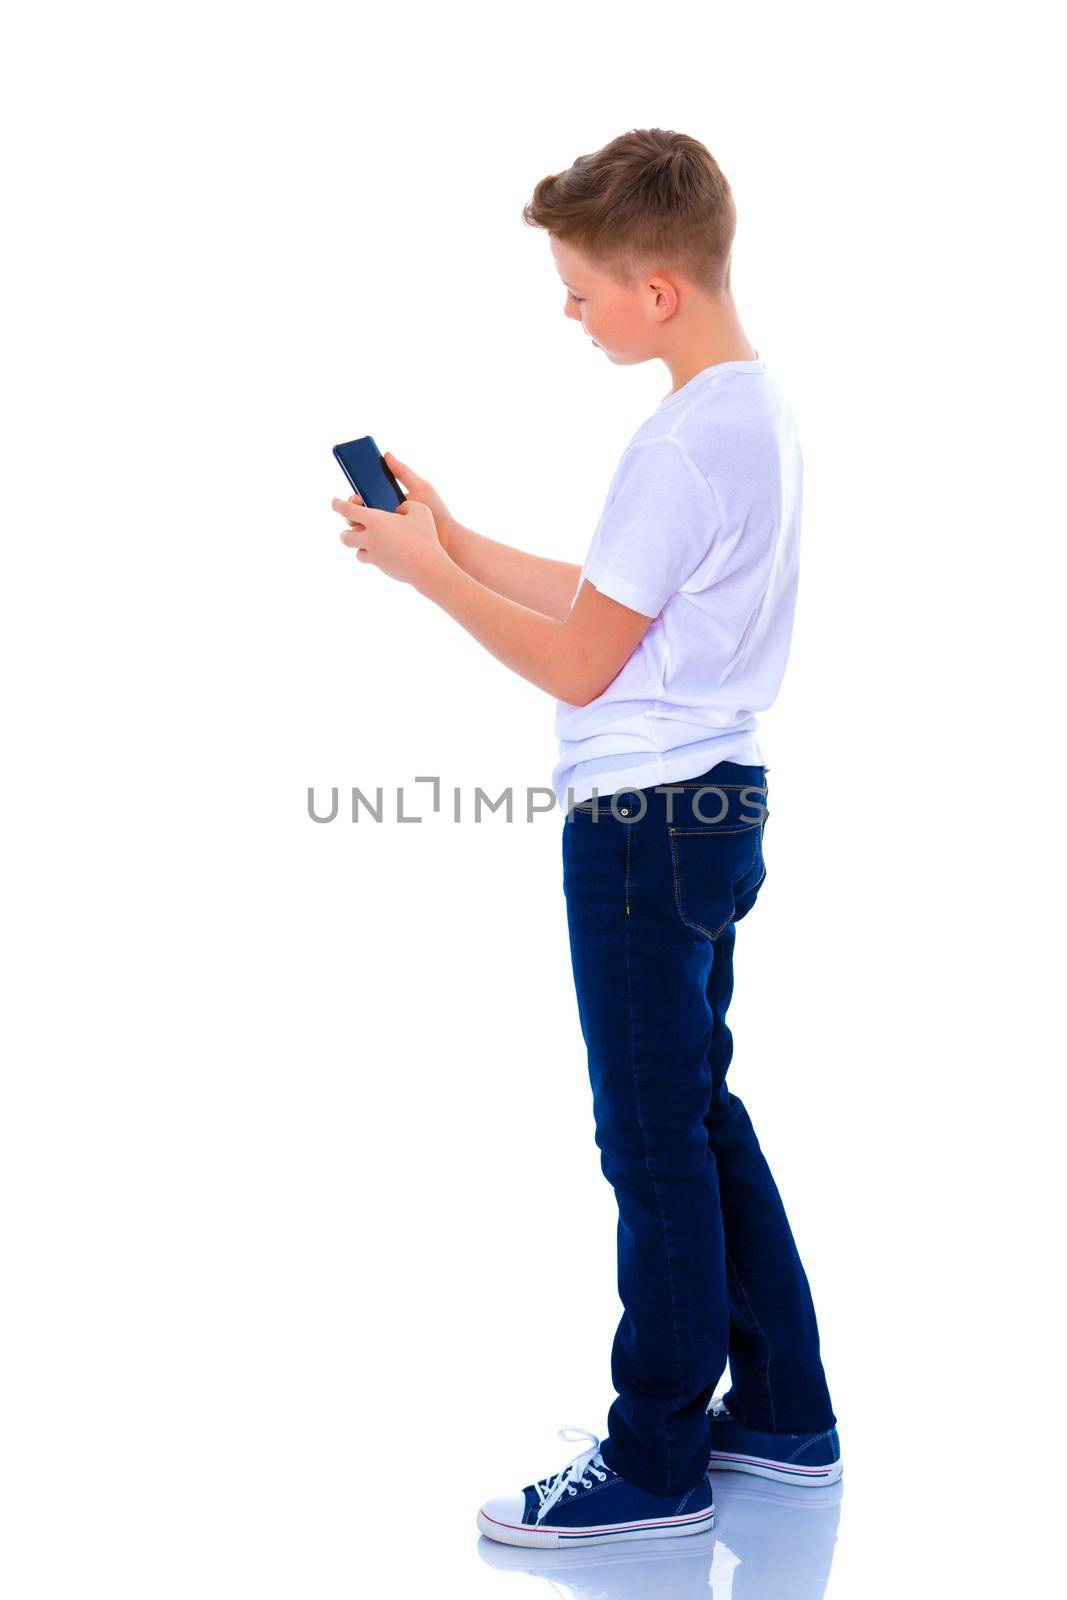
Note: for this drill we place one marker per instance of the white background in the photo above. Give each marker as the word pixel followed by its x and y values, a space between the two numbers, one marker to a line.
pixel 305 1244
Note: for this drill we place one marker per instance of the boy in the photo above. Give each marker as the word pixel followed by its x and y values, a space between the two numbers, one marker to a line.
pixel 660 651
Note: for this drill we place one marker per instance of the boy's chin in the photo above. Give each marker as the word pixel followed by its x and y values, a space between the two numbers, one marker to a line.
pixel 624 358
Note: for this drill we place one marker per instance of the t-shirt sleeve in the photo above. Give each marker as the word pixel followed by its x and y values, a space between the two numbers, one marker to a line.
pixel 656 528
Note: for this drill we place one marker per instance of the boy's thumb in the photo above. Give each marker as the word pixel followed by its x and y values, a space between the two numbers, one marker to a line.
pixel 405 475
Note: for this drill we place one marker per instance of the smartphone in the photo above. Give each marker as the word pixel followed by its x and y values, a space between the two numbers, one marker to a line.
pixel 362 464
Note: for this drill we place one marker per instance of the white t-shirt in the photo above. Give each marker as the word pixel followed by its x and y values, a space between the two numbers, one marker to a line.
pixel 700 531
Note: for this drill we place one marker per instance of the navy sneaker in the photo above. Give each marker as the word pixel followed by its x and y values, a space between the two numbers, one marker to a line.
pixel 785 1457
pixel 587 1503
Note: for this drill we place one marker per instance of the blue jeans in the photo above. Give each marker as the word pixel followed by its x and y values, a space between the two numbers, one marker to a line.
pixel 708 1269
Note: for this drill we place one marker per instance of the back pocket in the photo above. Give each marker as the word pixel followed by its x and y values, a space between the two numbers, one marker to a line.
pixel 717 864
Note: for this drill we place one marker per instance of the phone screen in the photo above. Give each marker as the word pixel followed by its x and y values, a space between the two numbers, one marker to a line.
pixel 362 464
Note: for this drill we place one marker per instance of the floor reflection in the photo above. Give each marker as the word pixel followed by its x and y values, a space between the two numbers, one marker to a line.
pixel 771 1541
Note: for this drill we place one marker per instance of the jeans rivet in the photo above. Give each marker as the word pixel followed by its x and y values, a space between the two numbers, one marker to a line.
pixel 623 812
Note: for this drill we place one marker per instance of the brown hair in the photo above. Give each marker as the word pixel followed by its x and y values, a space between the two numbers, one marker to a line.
pixel 651 197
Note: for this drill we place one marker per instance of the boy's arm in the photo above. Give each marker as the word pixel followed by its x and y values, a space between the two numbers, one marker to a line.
pixel 535 581
pixel 573 659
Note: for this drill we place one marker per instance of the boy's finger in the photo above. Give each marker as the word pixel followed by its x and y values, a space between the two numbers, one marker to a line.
pixel 400 468
pixel 354 513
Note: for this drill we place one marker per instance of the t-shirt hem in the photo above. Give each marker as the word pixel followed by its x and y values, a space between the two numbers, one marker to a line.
pixel 648 773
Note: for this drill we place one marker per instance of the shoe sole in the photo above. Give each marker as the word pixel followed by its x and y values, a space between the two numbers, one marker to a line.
pixel 555 1538
pixel 777 1471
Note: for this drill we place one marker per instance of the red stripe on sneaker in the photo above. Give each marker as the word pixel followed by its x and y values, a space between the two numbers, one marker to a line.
pixel 781 1466
pixel 617 1527
pixel 608 1527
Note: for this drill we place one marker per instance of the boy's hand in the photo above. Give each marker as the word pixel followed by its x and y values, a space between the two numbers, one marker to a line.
pixel 419 489
pixel 403 543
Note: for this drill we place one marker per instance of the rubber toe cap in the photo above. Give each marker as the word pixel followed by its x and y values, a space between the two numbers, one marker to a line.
pixel 507 1508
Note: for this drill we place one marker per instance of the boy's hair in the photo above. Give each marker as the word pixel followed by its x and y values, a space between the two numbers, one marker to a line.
pixel 649 198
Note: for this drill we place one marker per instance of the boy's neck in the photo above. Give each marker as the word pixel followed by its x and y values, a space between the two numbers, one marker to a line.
pixel 712 332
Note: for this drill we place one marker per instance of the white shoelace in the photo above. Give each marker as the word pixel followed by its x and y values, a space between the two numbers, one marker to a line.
pixel 574 1473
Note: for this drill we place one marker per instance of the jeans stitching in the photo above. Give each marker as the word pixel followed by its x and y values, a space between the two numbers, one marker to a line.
pixel 712 830
pixel 626 873
pixel 689 921
pixel 759 1330
pixel 586 807
pixel 652 1177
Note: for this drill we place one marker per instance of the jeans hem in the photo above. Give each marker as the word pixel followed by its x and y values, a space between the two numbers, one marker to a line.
pixel 737 1415
pixel 618 1462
